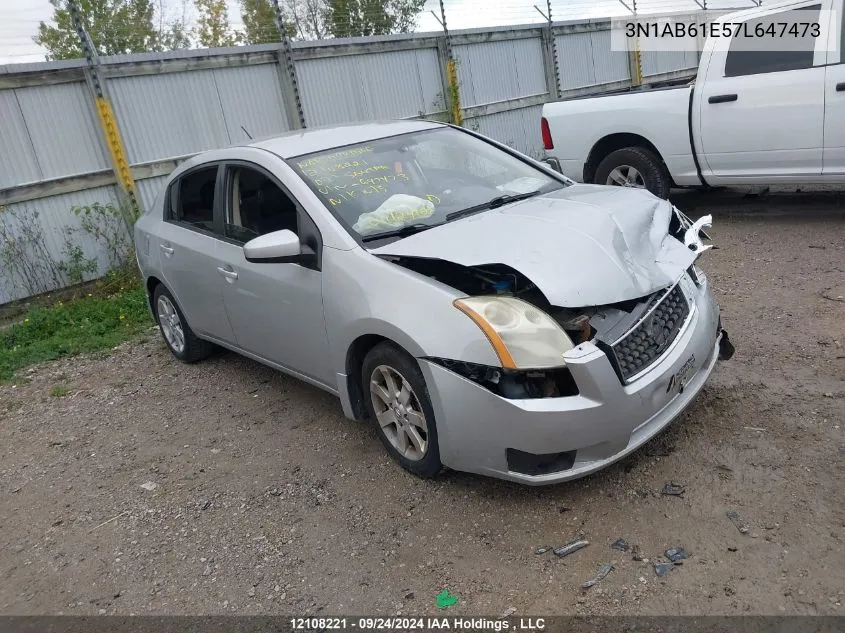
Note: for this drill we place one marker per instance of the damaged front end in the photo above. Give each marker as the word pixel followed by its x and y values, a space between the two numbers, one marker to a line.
pixel 634 334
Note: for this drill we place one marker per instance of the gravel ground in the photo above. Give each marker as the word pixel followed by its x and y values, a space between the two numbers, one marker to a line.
pixel 225 487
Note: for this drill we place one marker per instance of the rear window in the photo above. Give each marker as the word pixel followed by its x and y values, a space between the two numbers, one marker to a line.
pixel 192 198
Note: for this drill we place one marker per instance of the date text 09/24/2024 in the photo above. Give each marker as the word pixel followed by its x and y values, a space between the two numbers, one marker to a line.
pixel 417 624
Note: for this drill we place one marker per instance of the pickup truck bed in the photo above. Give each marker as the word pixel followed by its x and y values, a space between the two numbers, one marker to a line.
pixel 768 116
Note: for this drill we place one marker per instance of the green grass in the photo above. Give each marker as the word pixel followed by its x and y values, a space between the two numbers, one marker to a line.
pixel 64 329
pixel 59 391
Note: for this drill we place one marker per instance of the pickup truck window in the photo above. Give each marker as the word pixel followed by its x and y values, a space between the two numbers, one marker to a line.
pixel 746 58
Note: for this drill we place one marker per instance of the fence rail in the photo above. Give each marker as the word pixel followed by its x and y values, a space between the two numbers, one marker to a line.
pixel 170 106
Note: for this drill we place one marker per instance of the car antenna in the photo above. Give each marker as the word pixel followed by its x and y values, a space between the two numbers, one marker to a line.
pixel 247 133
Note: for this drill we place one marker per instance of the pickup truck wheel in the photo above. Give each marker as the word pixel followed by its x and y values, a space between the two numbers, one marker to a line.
pixel 634 167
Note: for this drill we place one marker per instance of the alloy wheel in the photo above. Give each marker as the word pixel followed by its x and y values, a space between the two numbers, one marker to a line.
pixel 171 325
pixel 399 413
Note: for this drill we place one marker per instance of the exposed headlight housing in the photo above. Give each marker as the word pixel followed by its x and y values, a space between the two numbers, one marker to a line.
pixel 523 336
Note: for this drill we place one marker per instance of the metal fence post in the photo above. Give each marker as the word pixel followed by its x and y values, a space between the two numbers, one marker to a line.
pixel 105 115
pixel 287 75
pixel 549 50
pixel 451 87
pixel 635 57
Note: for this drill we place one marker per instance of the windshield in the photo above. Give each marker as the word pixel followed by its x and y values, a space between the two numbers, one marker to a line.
pixel 403 184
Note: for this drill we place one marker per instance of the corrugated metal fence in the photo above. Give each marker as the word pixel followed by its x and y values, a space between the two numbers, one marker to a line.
pixel 172 105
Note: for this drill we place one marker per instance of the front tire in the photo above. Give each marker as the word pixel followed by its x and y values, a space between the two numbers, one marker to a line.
pixel 397 399
pixel 635 167
pixel 180 338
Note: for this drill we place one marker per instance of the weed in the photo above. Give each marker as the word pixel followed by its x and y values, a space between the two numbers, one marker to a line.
pixel 59 391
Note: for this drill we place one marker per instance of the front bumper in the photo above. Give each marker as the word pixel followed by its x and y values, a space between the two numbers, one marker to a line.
pixel 602 424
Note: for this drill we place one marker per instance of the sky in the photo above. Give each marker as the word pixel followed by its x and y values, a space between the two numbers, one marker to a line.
pixel 19 18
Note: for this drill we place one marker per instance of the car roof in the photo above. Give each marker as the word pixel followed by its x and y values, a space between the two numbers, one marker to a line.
pixel 316 139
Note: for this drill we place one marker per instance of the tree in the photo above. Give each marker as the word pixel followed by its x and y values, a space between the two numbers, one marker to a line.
pixel 306 17
pixel 259 18
pixel 318 19
pixel 174 33
pixel 359 18
pixel 115 27
pixel 175 36
pixel 213 24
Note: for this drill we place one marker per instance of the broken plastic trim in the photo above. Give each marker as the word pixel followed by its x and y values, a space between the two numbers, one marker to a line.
pixel 514 384
pixel 689 232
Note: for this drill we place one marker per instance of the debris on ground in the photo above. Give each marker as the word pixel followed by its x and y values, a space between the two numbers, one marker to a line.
pixel 508 613
pixel 636 554
pixel 571 546
pixel 739 523
pixel 603 571
pixel 732 549
pixel 673 489
pixel 543 549
pixel 621 544
pixel 446 599
pixel 149 486
pixel 661 569
pixel 676 553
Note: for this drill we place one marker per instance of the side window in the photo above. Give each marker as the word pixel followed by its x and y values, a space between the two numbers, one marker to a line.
pixel 257 206
pixel 790 36
pixel 192 198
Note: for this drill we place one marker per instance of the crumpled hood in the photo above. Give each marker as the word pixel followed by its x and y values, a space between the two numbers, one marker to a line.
pixel 584 245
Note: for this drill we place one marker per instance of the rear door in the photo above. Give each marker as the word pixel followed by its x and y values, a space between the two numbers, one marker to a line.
pixel 834 122
pixel 762 111
pixel 189 245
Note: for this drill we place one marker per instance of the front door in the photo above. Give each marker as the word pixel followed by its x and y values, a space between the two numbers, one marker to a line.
pixel 762 111
pixel 834 94
pixel 276 310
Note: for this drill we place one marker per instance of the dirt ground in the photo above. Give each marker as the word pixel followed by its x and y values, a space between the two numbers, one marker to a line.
pixel 267 500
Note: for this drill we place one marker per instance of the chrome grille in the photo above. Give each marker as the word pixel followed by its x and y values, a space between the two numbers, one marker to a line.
pixel 647 342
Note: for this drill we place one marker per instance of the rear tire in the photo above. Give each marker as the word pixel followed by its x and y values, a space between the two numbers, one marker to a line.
pixel 177 334
pixel 397 400
pixel 634 167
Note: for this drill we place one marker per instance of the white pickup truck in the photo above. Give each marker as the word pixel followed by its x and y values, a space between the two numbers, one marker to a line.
pixel 751 117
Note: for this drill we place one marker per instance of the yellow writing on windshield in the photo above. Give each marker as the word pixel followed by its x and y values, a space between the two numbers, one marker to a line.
pixel 347 153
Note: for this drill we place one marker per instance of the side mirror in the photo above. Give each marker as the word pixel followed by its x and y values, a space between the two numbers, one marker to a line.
pixel 278 247
pixel 554 163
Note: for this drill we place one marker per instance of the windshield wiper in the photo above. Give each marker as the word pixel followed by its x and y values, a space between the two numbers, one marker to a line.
pixel 405 231
pixel 495 203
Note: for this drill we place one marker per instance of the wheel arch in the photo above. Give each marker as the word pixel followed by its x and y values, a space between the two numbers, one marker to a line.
pixel 357 351
pixel 612 142
pixel 152 282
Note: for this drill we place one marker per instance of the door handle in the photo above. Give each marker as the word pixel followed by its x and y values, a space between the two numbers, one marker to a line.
pixel 722 98
pixel 227 272
pixel 167 250
pixel 840 87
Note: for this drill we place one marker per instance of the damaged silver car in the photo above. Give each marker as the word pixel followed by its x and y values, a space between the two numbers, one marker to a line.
pixel 486 313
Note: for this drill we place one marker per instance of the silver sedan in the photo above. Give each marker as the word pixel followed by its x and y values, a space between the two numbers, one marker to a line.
pixel 487 314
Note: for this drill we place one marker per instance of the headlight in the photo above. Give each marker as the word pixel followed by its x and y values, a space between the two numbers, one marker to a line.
pixel 522 336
